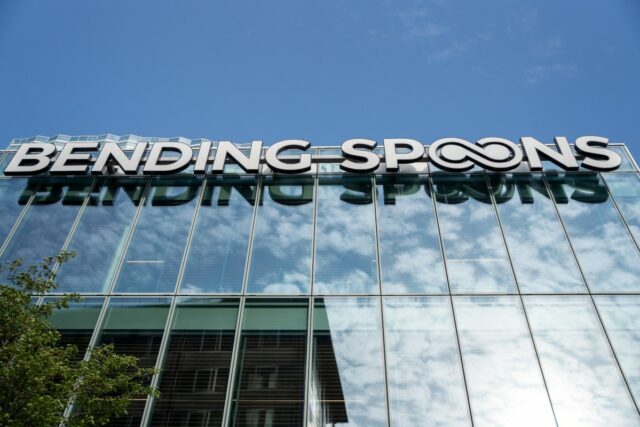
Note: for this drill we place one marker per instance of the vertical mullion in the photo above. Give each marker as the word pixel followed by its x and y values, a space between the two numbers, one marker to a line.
pixel 314 220
pixel 374 201
pixel 19 219
pixel 92 343
pixel 633 161
pixel 376 225
pixel 618 210
pixel 155 380
pixel 593 303
pixel 515 278
pixel 164 343
pixel 310 313
pixel 247 263
pixel 228 401
pixel 76 221
pixel 187 247
pixel 125 249
pixel 236 343
pixel 566 233
pixel 432 192
pixel 308 361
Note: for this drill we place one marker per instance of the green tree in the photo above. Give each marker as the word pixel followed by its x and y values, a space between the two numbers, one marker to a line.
pixel 39 377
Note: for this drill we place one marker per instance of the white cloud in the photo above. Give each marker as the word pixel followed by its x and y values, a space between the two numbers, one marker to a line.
pixel 548 47
pixel 536 73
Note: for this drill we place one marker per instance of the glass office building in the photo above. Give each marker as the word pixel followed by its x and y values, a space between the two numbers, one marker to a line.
pixel 423 298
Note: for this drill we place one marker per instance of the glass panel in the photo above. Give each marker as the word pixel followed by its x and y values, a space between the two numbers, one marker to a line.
pixel 281 258
pixel 269 387
pixel 540 253
pixel 625 189
pixel 626 164
pixel 168 155
pixel 409 247
pixel 503 376
pixel 101 235
pixel 585 384
pixel 474 251
pixel 609 259
pixel 14 195
pixel 347 384
pixel 77 322
pixel 196 369
pixel 5 162
pixel 345 237
pixel 329 168
pixel 48 220
pixel 218 249
pixel 621 317
pixel 135 326
pixel 425 376
pixel 155 252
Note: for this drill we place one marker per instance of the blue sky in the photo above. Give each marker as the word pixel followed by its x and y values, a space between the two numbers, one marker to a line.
pixel 322 71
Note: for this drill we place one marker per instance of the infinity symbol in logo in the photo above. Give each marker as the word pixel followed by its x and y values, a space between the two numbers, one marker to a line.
pixel 458 155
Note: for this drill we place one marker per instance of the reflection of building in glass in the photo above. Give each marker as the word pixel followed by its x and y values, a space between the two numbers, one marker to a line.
pixel 269 387
pixel 426 298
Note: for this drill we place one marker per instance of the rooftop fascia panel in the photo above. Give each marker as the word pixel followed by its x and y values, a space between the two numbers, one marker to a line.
pixel 128 141
pixel 125 141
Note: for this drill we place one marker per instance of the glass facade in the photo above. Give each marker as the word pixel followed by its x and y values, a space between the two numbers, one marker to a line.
pixel 475 252
pixel 329 299
pixel 270 371
pixel 282 242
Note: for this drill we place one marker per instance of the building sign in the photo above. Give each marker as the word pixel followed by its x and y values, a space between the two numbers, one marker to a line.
pixel 357 156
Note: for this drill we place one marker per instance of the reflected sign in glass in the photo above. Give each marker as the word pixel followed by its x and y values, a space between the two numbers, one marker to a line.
pixel 281 255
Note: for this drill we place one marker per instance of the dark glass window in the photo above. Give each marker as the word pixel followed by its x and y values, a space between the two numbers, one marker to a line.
pixel 196 369
pixel 77 322
pixel 135 326
pixel 270 377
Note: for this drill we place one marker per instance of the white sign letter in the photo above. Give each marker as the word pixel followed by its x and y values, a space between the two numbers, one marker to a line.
pixel 155 163
pixel 42 159
pixel 112 150
pixel 564 157
pixel 250 164
pixel 598 158
pixel 303 164
pixel 69 162
pixel 392 158
pixel 359 161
